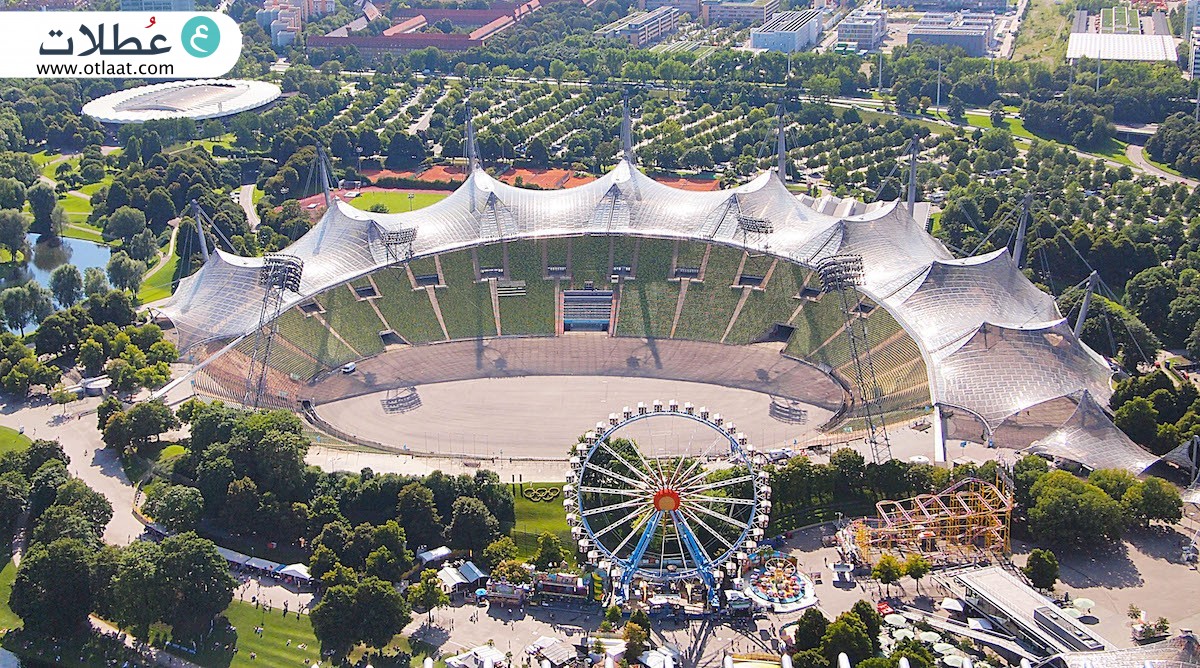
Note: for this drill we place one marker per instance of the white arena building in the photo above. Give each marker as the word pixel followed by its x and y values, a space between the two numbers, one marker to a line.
pixel 199 99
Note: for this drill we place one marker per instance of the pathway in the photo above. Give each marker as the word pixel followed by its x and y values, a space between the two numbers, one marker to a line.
pixel 246 200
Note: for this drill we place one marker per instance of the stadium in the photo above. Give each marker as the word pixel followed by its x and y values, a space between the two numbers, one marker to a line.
pixel 591 290
pixel 199 99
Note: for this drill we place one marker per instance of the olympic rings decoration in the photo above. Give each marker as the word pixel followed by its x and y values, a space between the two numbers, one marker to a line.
pixel 541 493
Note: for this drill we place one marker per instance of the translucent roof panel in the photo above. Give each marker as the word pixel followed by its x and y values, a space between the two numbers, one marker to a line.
pixel 222 299
pixel 1000 370
pixel 951 298
pixel 1089 438
pixel 970 317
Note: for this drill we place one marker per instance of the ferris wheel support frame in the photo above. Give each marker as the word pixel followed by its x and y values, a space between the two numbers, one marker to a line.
pixel 705 565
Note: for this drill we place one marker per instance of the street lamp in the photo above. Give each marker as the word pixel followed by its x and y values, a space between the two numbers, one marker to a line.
pixel 411 196
pixel 358 149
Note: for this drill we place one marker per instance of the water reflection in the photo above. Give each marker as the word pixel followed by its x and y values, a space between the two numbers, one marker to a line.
pixel 49 253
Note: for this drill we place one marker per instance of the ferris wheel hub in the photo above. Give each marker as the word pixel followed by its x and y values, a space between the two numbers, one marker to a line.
pixel 667 500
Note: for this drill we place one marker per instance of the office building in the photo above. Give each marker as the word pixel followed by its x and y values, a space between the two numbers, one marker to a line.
pixel 865 28
pixel 158 5
pixel 689 7
pixel 950 5
pixel 971 32
pixel 788 31
pixel 725 12
pixel 1194 61
pixel 642 28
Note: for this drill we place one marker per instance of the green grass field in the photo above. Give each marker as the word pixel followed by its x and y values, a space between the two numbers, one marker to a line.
pixel 157 285
pixel 1013 125
pixel 536 517
pixel 8 618
pixel 78 230
pixel 11 440
pixel 271 649
pixel 1114 150
pixel 395 200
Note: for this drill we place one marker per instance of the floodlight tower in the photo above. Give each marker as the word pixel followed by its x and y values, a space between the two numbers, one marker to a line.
pixel 842 274
pixel 627 132
pixel 280 273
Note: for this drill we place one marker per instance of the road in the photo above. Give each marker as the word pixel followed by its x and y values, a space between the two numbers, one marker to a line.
pixel 246 200
pixel 1135 154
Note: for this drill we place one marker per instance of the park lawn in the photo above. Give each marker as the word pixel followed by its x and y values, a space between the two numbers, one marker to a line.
pixel 51 166
pixel 256 195
pixel 1014 125
pixel 395 200
pixel 536 517
pixel 157 284
pixel 11 440
pixel 73 205
pixel 8 618
pixel 93 188
pixel 80 230
pixel 1043 34
pixel 171 452
pixel 1114 150
pixel 271 649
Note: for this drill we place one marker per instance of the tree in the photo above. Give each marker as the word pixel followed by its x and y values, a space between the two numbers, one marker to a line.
pixel 13 227
pixel 537 153
pixel 512 571
pixel 810 629
pixel 888 570
pixel 93 505
pixel 996 114
pixel 1153 499
pixel 124 272
pixel 62 396
pixel 550 551
pixel 916 566
pixel 136 591
pixel 380 610
pixel 124 223
pixel 179 508
pixel 241 505
pixel 612 615
pixel 847 634
pixel 95 282
pixel 418 515
pixel 871 619
pixel 66 283
pixel 17 308
pixel 1041 568
pixel 501 549
pixel 38 594
pixel 12 194
pixel 1138 419
pixel 196 579
pixel 635 638
pixel 472 525
pixel 1070 511
pixel 42 201
pixel 427 594
pixel 372 612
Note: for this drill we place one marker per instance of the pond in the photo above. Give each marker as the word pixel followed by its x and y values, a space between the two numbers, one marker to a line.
pixel 48 254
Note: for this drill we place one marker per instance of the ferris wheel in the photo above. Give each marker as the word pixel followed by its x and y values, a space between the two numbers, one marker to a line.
pixel 669 516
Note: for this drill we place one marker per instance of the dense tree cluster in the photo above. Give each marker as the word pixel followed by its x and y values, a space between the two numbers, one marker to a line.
pixel 1065 510
pixel 1156 413
pixel 1177 143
